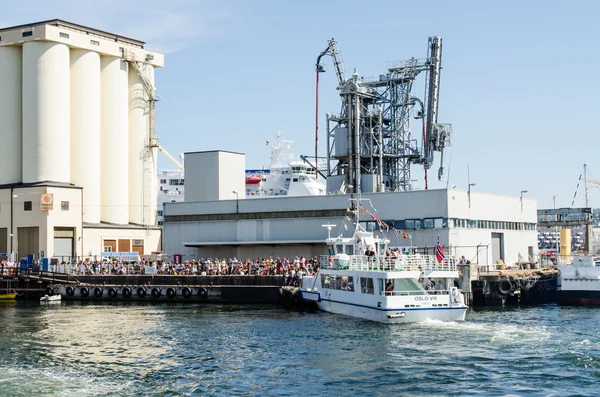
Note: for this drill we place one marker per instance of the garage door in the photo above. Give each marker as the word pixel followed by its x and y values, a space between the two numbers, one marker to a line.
pixel 63 247
pixel 497 247
pixel 28 242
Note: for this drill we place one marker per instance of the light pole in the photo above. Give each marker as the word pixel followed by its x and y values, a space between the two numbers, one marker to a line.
pixel 554 200
pixel 237 202
pixel 12 252
pixel 522 193
pixel 469 192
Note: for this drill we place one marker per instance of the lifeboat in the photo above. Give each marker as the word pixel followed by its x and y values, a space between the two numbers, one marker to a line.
pixel 253 180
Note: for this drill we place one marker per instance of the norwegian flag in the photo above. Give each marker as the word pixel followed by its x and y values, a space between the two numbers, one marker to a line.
pixel 439 253
pixel 267 143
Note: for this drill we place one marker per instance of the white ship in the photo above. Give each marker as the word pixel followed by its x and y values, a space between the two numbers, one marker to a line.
pixel 285 175
pixel 579 282
pixel 362 278
pixel 170 190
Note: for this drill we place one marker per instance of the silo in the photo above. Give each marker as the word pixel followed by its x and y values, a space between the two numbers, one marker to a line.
pixel 46 112
pixel 10 114
pixel 138 136
pixel 114 141
pixel 85 129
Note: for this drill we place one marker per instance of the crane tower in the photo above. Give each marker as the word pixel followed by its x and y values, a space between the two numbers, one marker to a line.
pixel 370 146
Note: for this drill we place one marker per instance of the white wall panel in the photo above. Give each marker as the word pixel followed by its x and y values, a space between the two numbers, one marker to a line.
pixel 85 129
pixel 46 112
pixel 10 114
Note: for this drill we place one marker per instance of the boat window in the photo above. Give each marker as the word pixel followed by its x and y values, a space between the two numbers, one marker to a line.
pixel 410 223
pixel 428 223
pixel 349 249
pixel 347 283
pixel 295 179
pixel 366 285
pixel 325 281
pixel 339 248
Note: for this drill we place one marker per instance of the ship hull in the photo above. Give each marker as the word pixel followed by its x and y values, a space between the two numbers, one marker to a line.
pixel 578 298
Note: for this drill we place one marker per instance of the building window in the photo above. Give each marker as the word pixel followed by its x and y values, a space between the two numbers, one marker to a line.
pixel 108 249
pixel 137 242
pixel 64 35
pixel 159 212
pixel 27 34
pixel 427 223
pixel 94 42
pixel 160 223
pixel 163 181
pixel 64 205
pixel 27 206
pixel 409 223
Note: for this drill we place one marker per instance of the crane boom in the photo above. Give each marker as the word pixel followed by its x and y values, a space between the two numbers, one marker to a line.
pixel 168 155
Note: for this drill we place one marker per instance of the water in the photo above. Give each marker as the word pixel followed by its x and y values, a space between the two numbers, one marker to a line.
pixel 82 349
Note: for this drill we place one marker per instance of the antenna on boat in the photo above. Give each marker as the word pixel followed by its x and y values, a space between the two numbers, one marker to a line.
pixel 329 227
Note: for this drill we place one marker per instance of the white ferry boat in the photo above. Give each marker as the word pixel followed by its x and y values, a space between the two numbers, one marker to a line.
pixel 362 278
pixel 285 176
pixel 579 282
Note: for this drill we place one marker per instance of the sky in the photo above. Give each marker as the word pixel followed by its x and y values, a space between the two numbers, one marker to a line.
pixel 520 82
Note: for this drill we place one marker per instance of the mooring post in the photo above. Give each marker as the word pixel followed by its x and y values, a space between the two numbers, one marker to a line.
pixel 465 283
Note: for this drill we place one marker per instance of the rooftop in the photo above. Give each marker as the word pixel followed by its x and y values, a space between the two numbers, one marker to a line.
pixel 80 28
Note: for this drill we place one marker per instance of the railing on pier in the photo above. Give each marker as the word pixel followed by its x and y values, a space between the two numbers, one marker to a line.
pixel 422 263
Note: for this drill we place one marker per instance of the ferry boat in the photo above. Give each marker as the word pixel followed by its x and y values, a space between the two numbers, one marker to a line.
pixel 285 175
pixel 578 283
pixel 362 278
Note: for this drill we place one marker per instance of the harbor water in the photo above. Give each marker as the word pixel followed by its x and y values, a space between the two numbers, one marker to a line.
pixel 118 349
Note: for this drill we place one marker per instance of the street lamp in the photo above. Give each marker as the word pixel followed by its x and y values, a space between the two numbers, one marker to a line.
pixel 237 202
pixel 522 193
pixel 554 200
pixel 469 192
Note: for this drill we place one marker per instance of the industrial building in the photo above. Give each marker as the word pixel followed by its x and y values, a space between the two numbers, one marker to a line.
pixel 219 222
pixel 79 146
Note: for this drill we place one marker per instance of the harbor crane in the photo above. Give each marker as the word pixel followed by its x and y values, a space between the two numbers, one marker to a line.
pixel 370 145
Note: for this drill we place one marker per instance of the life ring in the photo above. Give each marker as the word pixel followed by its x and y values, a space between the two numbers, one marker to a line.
pixel 112 293
pixel 186 292
pixel 203 293
pixel 155 293
pixel 84 291
pixel 126 292
pixel 70 291
pixel 504 287
pixel 171 292
pixel 50 291
pixel 141 292
pixel 98 292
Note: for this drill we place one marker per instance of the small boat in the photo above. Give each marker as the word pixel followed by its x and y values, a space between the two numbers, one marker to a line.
pixel 579 280
pixel 361 279
pixel 8 297
pixel 50 298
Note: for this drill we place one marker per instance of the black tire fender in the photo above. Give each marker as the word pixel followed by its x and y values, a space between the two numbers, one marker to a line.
pixel 70 291
pixel 141 292
pixel 203 293
pixel 186 292
pixel 171 292
pixel 156 293
pixel 84 291
pixel 112 293
pixel 98 292
pixel 126 292
pixel 504 287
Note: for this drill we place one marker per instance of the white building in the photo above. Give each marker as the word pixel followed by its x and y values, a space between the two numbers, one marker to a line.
pixel 78 175
pixel 485 228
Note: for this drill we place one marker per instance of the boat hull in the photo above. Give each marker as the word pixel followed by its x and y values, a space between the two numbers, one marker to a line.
pixel 8 297
pixel 394 315
pixel 578 298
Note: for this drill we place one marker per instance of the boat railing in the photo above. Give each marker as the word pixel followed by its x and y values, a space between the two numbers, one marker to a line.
pixel 422 263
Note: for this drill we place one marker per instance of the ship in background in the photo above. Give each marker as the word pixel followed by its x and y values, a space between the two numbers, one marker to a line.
pixel 285 176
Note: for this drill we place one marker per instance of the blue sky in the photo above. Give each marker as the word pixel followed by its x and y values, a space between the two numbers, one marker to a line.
pixel 520 83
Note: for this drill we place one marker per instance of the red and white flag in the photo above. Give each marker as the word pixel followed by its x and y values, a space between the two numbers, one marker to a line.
pixel 439 253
